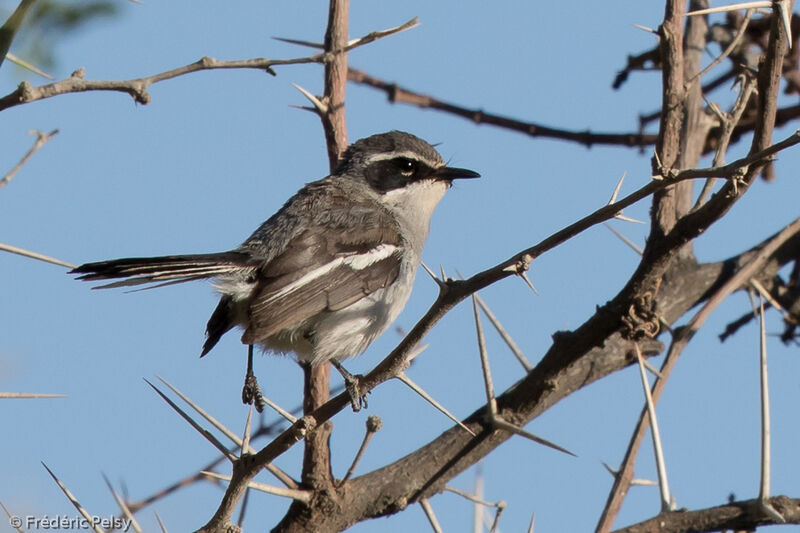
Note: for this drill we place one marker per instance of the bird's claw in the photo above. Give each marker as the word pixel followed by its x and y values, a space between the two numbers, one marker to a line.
pixel 353 385
pixel 251 393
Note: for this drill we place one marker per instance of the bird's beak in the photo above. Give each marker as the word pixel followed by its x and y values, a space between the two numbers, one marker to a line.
pixel 452 173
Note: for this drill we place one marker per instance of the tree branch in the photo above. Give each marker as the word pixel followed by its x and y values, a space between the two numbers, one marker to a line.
pixel 735 516
pixel 397 94
pixel 137 88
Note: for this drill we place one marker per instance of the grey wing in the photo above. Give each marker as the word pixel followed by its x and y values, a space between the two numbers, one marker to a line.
pixel 316 273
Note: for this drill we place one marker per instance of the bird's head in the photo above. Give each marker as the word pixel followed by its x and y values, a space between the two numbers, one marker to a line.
pixel 396 160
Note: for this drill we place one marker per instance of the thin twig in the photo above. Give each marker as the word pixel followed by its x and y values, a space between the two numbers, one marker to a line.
pixel 729 123
pixel 41 139
pixel 374 424
pixel 728 50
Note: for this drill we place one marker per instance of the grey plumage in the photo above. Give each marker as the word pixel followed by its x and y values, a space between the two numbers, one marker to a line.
pixel 332 268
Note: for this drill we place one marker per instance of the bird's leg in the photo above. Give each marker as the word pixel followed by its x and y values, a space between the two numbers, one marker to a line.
pixel 251 392
pixel 352 384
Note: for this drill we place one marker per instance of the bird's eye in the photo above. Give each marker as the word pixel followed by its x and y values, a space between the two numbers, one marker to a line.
pixel 405 165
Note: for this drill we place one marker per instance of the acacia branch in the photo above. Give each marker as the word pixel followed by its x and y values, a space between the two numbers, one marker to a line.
pixel 735 516
pixel 397 94
pixel 681 338
pixel 317 454
pixel 592 361
pixel 137 88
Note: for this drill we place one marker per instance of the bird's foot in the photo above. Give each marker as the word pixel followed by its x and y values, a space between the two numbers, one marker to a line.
pixel 352 384
pixel 251 392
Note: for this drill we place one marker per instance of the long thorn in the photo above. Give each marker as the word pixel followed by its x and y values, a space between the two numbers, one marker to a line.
pixel 487 373
pixel 428 398
pixel 247 426
pixel 783 12
pixel 160 523
pixel 659 455
pixel 433 276
pixel 764 489
pixel 533 519
pixel 616 189
pixel 504 334
pixel 204 432
pixel 299 495
pixel 499 423
pixel 426 507
pixel 35 255
pixel 473 498
pixel 84 513
pixel 123 506
pixel 734 7
pixel 10 518
pixel 210 419
pixel 30 395
pixel 321 108
pixel 624 239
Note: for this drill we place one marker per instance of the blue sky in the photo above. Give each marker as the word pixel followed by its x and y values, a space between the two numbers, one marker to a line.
pixel 215 153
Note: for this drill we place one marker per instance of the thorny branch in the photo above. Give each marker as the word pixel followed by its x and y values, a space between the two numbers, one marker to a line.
pixel 137 88
pixel 397 94
pixel 575 359
pixel 734 516
pixel 455 291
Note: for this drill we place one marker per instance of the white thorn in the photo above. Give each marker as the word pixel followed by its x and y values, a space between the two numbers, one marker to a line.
pixel 616 189
pixel 783 9
pixel 644 28
pixel 656 436
pixel 320 107
pixel 498 422
pixel 620 216
pixel 732 7
pixel 524 276
pixel 428 398
pixel 624 239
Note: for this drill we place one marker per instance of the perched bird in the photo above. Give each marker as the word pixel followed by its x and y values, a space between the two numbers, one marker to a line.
pixel 327 273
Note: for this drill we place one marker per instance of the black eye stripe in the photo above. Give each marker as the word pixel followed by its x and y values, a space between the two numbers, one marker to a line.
pixel 389 174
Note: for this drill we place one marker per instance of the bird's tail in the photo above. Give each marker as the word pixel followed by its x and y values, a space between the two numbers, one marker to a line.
pixel 165 270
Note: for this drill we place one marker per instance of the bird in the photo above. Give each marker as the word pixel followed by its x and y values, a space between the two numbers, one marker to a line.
pixel 327 273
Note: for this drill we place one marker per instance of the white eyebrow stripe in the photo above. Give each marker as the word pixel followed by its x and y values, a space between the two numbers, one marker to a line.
pixel 360 261
pixel 408 155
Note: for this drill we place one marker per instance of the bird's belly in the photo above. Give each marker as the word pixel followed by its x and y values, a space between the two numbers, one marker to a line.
pixel 346 332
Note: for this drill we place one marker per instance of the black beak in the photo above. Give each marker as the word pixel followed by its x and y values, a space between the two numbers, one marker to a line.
pixel 452 173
